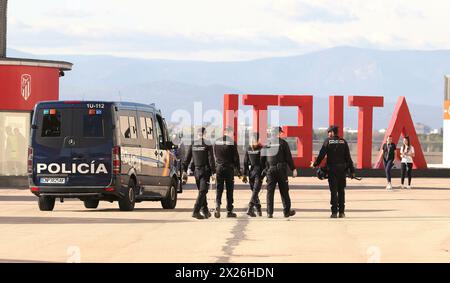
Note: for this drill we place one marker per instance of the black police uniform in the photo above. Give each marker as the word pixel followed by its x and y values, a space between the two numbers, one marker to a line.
pixel 227 159
pixel 203 161
pixel 277 158
pixel 339 162
pixel 254 170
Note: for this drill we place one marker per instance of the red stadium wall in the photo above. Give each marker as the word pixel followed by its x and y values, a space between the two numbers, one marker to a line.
pixel 21 87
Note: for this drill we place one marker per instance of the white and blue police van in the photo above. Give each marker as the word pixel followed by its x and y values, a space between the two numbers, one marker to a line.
pixel 101 151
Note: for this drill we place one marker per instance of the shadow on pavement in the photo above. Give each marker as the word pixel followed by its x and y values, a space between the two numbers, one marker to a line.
pixel 71 220
pixel 190 187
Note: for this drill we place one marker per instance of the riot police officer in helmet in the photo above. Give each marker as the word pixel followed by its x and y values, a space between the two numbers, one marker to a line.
pixel 227 162
pixel 202 156
pixel 277 158
pixel 339 162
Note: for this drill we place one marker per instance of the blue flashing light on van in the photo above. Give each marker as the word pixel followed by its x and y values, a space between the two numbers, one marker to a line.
pixel 101 151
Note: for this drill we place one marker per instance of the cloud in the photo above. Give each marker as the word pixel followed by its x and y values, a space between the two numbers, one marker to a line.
pixel 69 13
pixel 321 14
pixel 225 30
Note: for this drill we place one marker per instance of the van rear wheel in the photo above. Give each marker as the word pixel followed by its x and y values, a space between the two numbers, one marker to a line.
pixel 170 200
pixel 127 202
pixel 46 203
pixel 91 203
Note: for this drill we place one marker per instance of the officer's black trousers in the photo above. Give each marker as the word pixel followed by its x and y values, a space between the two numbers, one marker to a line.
pixel 278 175
pixel 255 181
pixel 225 178
pixel 202 178
pixel 337 183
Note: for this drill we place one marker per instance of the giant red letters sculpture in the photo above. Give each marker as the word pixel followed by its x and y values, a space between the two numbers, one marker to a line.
pixel 365 126
pixel 230 117
pixel 336 113
pixel 402 125
pixel 303 132
pixel 260 105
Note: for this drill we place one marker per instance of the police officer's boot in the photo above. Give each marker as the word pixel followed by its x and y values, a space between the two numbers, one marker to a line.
pixel 291 213
pixel 259 210
pixel 334 215
pixel 217 212
pixel 341 215
pixel 269 215
pixel 198 216
pixel 231 214
pixel 206 213
pixel 251 211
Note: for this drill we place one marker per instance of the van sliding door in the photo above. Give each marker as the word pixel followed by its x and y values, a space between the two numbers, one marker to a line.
pixel 149 149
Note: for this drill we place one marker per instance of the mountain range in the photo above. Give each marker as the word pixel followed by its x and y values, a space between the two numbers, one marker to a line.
pixel 177 84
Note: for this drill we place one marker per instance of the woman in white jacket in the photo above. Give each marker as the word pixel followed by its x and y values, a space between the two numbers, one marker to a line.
pixel 407 154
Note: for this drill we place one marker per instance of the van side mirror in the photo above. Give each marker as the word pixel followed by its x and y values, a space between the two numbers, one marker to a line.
pixel 169 145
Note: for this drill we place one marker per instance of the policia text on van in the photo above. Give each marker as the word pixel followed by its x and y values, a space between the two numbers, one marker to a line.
pixel 97 151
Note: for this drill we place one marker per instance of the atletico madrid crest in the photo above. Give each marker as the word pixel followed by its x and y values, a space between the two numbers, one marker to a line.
pixel 26 86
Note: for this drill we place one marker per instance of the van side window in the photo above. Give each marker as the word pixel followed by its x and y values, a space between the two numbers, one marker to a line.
pixel 133 129
pixel 149 128
pixel 143 127
pixel 125 127
pixel 51 123
pixel 161 133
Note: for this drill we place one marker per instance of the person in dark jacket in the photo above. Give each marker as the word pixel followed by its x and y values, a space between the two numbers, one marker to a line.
pixel 227 161
pixel 277 159
pixel 339 162
pixel 253 173
pixel 389 149
pixel 202 156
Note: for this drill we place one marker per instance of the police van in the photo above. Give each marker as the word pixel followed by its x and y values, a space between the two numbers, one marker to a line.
pixel 101 151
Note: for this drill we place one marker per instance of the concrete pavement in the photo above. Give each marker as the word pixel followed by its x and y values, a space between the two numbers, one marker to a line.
pixel 382 226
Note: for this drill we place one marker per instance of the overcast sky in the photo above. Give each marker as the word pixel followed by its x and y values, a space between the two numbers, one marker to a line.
pixel 216 30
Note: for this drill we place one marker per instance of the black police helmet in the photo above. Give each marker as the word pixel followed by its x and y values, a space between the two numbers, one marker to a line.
pixel 276 130
pixel 334 129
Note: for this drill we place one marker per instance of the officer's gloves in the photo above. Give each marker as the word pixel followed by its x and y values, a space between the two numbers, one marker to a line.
pixel 294 173
pixel 245 179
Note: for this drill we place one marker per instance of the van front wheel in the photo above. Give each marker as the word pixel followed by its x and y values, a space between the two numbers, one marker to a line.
pixel 170 200
pixel 127 202
pixel 46 203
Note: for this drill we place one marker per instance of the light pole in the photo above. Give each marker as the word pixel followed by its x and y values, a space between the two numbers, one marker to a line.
pixel 3 28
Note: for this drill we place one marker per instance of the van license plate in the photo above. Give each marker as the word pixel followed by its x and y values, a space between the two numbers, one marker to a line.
pixel 53 180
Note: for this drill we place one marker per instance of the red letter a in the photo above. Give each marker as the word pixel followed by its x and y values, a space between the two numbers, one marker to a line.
pixel 402 125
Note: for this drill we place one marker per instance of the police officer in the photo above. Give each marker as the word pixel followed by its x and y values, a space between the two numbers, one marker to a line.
pixel 254 171
pixel 202 156
pixel 339 162
pixel 277 157
pixel 227 161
